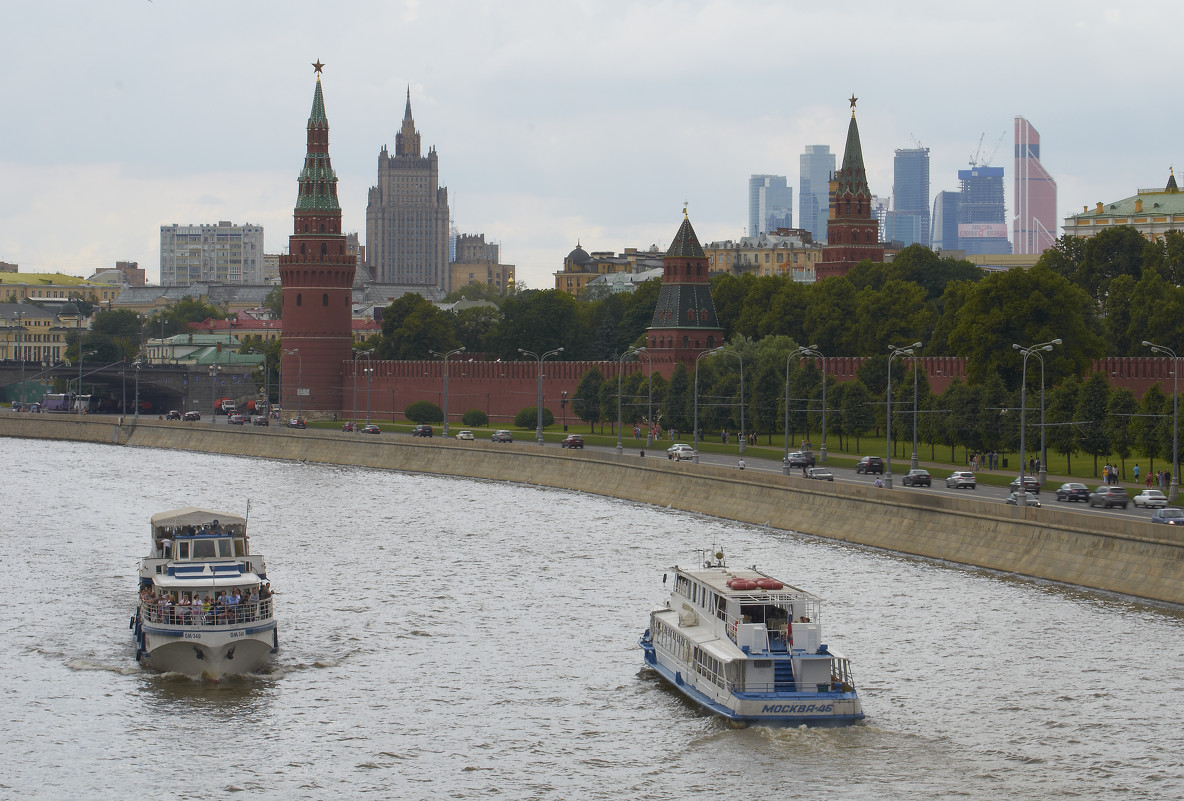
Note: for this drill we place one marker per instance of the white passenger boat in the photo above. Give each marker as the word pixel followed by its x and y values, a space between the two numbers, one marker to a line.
pixel 749 648
pixel 205 604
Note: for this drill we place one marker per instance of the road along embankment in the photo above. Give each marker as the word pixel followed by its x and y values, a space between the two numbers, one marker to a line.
pixel 1107 553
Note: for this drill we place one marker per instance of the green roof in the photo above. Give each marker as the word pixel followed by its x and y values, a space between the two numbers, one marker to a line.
pixel 852 176
pixel 686 244
pixel 1155 202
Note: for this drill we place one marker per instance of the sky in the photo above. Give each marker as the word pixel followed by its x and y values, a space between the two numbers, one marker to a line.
pixel 555 122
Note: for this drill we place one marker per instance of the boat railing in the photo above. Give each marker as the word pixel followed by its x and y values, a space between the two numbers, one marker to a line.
pixel 757 637
pixel 206 616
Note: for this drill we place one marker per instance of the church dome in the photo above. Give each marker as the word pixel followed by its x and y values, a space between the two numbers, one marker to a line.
pixel 68 310
pixel 579 256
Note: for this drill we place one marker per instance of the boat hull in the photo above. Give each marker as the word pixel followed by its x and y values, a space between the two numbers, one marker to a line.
pixel 830 708
pixel 208 654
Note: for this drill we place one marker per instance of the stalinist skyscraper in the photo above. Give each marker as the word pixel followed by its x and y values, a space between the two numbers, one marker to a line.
pixel 407 215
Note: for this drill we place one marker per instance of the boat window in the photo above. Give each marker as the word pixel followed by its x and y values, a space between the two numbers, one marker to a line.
pixel 239 550
pixel 203 549
pixel 182 550
pixel 224 548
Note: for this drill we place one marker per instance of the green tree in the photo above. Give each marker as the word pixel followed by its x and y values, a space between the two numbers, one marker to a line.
pixel 528 418
pixel 1155 311
pixel 475 325
pixel 424 412
pixel 412 327
pixel 1119 423
pixel 540 321
pixel 1152 428
pixel 1061 419
pixel 477 418
pixel 1091 411
pixel 585 404
pixel 114 334
pixel 766 396
pixel 857 414
pixel 831 320
pixel 676 406
pixel 274 302
pixel 1064 257
pixel 1113 252
pixel 962 420
pixel 1166 257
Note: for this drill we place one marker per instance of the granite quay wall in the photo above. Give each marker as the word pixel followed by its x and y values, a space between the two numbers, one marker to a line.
pixel 1121 555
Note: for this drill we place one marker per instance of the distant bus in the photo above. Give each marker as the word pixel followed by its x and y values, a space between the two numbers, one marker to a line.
pixel 85 404
pixel 57 403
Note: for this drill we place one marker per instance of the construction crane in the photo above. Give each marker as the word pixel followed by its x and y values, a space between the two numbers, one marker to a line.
pixel 974 159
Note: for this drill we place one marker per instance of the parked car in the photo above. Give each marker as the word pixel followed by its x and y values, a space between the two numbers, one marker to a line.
pixel 1151 498
pixel 1106 497
pixel 917 478
pixel 870 464
pixel 260 420
pixel 961 478
pixel 1073 492
pixel 572 441
pixel 297 422
pixel 1170 516
pixel 820 473
pixel 174 414
pixel 191 416
pixel 422 430
pixel 801 459
pixel 236 419
pixel 502 435
pixel 1030 500
pixel 349 425
pixel 466 434
pixel 371 429
pixel 1031 484
pixel 680 450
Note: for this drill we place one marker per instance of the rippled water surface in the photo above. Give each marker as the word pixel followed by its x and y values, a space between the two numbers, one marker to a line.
pixel 446 638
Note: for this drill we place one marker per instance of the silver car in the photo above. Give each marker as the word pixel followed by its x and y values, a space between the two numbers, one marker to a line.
pixel 960 479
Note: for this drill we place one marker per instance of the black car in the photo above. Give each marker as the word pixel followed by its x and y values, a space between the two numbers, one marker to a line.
pixel 191 416
pixel 917 478
pixel 1170 516
pixel 1073 492
pixel 1106 497
pixel 870 464
pixel 1031 484
pixel 173 414
pixel 801 459
pixel 572 441
pixel 259 420
pixel 422 430
pixel 297 422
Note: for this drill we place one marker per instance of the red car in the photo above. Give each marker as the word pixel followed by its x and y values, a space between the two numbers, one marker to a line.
pixel 572 441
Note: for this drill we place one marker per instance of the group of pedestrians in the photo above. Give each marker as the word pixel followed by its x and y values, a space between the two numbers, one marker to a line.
pixel 234 605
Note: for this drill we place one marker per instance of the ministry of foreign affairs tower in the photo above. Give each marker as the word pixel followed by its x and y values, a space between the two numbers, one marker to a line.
pixel 317 276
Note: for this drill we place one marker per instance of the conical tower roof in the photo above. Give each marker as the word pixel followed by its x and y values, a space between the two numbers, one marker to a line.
pixel 317 117
pixel 318 181
pixel 852 176
pixel 686 244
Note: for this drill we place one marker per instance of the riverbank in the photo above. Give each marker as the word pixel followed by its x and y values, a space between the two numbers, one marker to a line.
pixel 1120 555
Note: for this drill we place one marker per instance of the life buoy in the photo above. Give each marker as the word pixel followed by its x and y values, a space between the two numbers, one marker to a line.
pixel 741 584
pixel 769 584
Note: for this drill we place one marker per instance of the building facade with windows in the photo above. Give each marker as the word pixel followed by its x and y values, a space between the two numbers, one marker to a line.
pixel 982 221
pixel 478 262
pixel 853 230
pixel 580 267
pixel 908 221
pixel 1034 226
pixel 224 253
pixel 788 252
pixel 1152 212
pixel 770 204
pixel 815 166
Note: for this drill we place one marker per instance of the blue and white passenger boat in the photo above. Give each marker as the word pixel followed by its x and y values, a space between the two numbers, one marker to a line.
pixel 205 605
pixel 749 647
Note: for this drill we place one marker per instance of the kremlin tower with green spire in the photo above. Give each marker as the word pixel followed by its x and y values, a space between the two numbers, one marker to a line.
pixel 852 233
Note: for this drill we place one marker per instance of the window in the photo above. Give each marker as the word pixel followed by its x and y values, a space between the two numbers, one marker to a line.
pixel 325 299
pixel 299 299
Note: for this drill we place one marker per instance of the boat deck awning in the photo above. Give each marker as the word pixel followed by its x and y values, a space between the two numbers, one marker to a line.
pixel 206 575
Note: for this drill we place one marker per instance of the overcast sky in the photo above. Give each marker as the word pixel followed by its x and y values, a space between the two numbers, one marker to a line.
pixel 554 121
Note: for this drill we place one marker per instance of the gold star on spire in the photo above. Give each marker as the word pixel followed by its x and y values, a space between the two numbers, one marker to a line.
pixel 318 66
pixel 852 100
pixel 684 208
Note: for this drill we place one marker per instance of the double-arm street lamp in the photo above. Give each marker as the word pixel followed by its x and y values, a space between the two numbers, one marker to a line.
pixel 621 369
pixel 649 409
pixel 540 357
pixel 893 351
pixel 743 438
pixel 914 462
pixel 19 351
pixel 1022 492
pixel 214 369
pixel 1174 487
pixel 804 350
pixel 81 355
pixel 697 358
pixel 445 357
pixel 299 376
pixel 357 353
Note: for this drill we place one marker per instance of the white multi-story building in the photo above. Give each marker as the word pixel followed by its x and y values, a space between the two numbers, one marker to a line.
pixel 224 253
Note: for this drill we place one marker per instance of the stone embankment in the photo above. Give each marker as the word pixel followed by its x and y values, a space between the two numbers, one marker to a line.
pixel 1122 555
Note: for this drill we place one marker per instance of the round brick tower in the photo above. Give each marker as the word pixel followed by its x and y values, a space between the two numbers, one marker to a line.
pixel 317 278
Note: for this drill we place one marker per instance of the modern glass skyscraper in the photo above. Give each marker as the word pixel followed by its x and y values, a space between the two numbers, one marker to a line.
pixel 1034 227
pixel 982 224
pixel 770 204
pixel 909 221
pixel 816 165
pixel 945 221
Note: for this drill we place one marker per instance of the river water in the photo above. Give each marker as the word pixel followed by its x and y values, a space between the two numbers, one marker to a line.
pixel 445 638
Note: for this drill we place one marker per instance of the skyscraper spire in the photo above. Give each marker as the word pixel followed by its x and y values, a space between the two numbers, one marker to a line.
pixel 407 110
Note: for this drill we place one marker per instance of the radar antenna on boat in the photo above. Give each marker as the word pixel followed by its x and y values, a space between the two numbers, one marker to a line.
pixel 715 553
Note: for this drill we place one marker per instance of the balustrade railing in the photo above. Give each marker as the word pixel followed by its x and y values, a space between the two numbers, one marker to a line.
pixel 206 615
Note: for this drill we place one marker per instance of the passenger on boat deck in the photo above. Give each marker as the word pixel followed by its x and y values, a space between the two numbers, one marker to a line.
pixel 803 619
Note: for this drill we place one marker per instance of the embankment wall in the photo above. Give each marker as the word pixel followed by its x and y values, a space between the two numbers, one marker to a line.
pixel 1122 555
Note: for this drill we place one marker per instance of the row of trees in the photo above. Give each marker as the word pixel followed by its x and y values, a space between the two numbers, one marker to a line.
pixel 1081 417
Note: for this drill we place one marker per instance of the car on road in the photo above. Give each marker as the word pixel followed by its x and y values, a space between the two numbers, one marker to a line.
pixel 1073 491
pixel 870 464
pixel 174 414
pixel 191 416
pixel 1170 516
pixel 236 419
pixel 917 478
pixel 1031 484
pixel 801 459
pixel 572 441
pixel 502 435
pixel 260 420
pixel 1151 498
pixel 961 478
pixel 297 422
pixel 349 425
pixel 370 429
pixel 820 473
pixel 680 450
pixel 422 430
pixel 1030 500
pixel 1106 497
pixel 466 434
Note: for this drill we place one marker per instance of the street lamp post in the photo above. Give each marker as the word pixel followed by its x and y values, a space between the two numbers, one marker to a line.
pixel 563 407
pixel 804 350
pixel 369 376
pixel 697 358
pixel 913 463
pixel 358 353
pixel 649 407
pixel 81 356
pixel 1022 492
pixel 907 350
pixel 1174 486
pixel 620 369
pixel 213 392
pixel 540 357
pixel 299 377
pixel 138 365
pixel 445 356
pixel 20 323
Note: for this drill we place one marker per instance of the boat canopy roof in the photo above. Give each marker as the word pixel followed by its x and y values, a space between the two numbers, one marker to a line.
pixel 199 581
pixel 195 516
pixel 717 580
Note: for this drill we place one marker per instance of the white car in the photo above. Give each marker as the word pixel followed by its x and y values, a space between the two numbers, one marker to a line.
pixel 1151 498
pixel 961 478
pixel 680 451
pixel 466 434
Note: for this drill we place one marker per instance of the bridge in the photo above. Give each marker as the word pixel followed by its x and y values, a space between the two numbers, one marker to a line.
pixel 161 386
